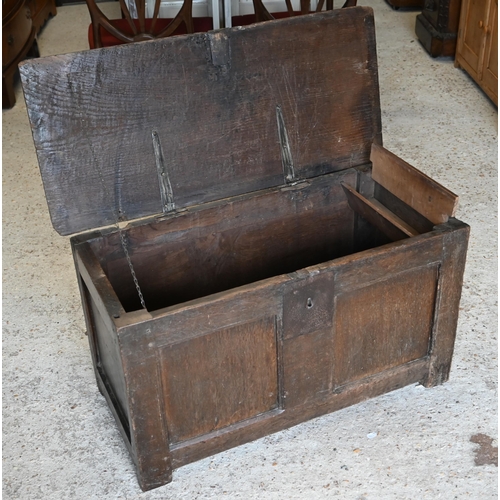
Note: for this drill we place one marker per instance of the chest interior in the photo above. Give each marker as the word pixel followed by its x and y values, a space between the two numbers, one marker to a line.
pixel 211 249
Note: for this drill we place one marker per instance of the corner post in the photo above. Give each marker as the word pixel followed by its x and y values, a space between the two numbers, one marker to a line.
pixel 455 241
pixel 148 430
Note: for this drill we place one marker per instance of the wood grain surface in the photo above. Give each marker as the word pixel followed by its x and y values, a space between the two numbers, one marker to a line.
pixel 211 100
pixel 425 195
pixel 231 243
pixel 294 281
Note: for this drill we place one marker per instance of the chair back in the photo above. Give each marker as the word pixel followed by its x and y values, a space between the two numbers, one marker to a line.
pixel 135 26
pixel 262 14
pixel 138 27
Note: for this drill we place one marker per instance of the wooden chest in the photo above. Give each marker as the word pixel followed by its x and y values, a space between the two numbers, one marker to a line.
pixel 289 265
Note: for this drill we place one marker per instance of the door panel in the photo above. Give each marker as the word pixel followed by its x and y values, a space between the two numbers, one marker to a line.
pixel 472 38
pixel 308 362
pixel 219 379
pixel 490 75
pixel 384 324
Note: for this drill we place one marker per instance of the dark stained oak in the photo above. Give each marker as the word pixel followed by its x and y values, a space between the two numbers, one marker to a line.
pixel 411 186
pixel 290 266
pixel 225 114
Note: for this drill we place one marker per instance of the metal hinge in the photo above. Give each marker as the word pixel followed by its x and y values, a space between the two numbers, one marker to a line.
pixel 286 152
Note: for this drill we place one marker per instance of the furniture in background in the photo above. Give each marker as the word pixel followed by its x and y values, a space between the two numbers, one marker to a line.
pixel 41 10
pixel 396 4
pixel 21 21
pixel 437 26
pixel 262 14
pixel 104 32
pixel 477 47
pixel 18 40
pixel 136 26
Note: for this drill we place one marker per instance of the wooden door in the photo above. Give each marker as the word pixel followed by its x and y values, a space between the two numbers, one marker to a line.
pixel 490 66
pixel 471 38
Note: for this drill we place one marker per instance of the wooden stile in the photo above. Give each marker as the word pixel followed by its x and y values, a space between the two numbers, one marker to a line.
pixel 262 259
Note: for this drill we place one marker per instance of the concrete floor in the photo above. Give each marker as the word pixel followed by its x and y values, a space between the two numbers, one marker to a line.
pixel 59 438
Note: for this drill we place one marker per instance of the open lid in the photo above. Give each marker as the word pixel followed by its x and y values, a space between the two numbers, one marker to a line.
pixel 140 129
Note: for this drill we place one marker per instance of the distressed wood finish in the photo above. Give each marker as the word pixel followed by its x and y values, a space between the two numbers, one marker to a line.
pixel 225 115
pixel 411 186
pixel 227 239
pixel 378 215
pixel 303 359
pixel 290 265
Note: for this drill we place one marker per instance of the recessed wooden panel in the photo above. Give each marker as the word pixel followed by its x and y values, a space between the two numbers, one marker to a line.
pixel 308 362
pixel 219 379
pixel 385 324
pixel 490 74
pixel 108 353
pixel 473 31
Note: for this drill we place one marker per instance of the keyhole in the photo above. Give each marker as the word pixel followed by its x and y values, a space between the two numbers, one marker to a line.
pixel 309 303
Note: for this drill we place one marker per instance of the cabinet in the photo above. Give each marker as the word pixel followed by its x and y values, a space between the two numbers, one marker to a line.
pixel 18 39
pixel 477 48
pixel 21 21
pixel 40 12
pixel 437 26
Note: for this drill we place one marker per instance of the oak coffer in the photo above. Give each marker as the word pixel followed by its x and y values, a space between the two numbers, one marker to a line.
pixel 278 262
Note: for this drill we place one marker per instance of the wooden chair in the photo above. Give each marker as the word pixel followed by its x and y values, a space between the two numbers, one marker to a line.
pixel 262 14
pixel 104 32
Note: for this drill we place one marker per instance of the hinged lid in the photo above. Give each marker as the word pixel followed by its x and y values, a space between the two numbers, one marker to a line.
pixel 184 120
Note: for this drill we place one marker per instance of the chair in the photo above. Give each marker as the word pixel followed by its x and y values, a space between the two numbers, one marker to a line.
pixel 262 14
pixel 104 32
